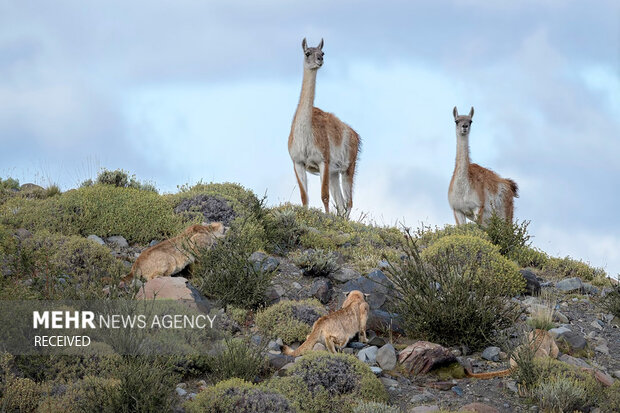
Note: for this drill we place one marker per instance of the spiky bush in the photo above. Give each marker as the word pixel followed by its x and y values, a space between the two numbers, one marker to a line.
pixel 509 236
pixel 319 381
pixel 121 179
pixel 239 358
pixel 458 294
pixel 289 320
pixel 316 263
pixel 225 272
pixel 282 230
pixel 611 302
pixel 567 267
pixel 239 396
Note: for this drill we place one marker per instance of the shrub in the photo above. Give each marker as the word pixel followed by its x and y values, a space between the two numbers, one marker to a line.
pixel 105 210
pixel 121 179
pixel 527 256
pixel 89 395
pixel 9 183
pixel 611 398
pixel 320 380
pixel 455 297
pixel 426 235
pixel 238 358
pixel 316 263
pixel 21 394
pixel 479 257
pixel 289 320
pixel 238 396
pixel 568 267
pixel 509 236
pixel 283 232
pixel 225 272
pixel 374 407
pixel 542 316
pixel 561 394
pixel 611 302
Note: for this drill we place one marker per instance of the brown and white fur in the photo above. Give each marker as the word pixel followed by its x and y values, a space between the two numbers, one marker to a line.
pixel 337 328
pixel 322 144
pixel 476 192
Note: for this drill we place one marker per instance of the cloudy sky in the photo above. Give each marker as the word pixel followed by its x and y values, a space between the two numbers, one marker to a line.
pixel 184 90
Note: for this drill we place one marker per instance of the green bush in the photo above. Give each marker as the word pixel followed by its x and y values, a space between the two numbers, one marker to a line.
pixel 9 183
pixel 320 380
pixel 238 396
pixel 611 302
pixel 611 398
pixel 283 232
pixel 567 268
pixel 120 179
pixel 530 257
pixel 461 293
pixel 239 358
pixel 21 395
pixel 374 407
pixel 562 394
pixel 104 210
pixel 509 236
pixel 480 257
pixel 89 395
pixel 316 263
pixel 226 273
pixel 289 320
pixel 426 235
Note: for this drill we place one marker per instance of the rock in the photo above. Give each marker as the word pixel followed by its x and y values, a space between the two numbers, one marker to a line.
pixel 441 385
pixel 532 286
pixel 424 409
pixel 319 347
pixel 356 345
pixel 344 274
pixel 348 350
pixel 321 289
pixel 264 262
pixel 512 386
pixel 569 284
pixel 457 390
pixel 368 355
pixel 180 391
pixel 213 208
pixel 273 346
pixel 376 284
pixel 556 332
pixel 597 324
pixel 376 370
pixel 154 242
pixel 380 320
pixel 297 286
pixel 602 349
pixel 278 361
pixel 491 354
pixel 478 408
pixel 96 239
pixel 575 340
pixel 558 316
pixel 386 357
pixel 604 378
pixel 425 396
pixel 376 341
pixel 274 293
pixel 616 374
pixel 30 187
pixel 117 241
pixel 574 361
pixel 422 356
pixel 590 289
pixel 387 382
pixel 174 288
pixel 22 234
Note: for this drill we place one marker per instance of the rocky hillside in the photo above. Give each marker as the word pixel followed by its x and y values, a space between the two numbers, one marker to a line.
pixel 440 299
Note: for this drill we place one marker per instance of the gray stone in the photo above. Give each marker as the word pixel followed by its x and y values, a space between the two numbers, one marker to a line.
pixel 616 374
pixel 278 361
pixel 575 340
pixel 569 284
pixel 596 324
pixel 388 382
pixel 376 284
pixel 590 289
pixel 425 396
pixel 376 370
pixel 602 349
pixel 181 392
pixel 491 354
pixel 561 317
pixel 264 262
pixel 368 355
pixel 556 332
pixel 319 347
pixel 424 409
pixel 386 357
pixel 512 386
pixel 356 345
pixel 118 241
pixel 321 289
pixel 274 293
pixel 154 242
pixel 574 361
pixel 348 350
pixel 273 346
pixel 297 286
pixel 344 274
pixel 384 321
pixel 383 265
pixel 532 286
pixel 22 234
pixel 96 239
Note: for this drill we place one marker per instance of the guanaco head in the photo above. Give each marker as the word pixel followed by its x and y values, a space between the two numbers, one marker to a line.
pixel 463 123
pixel 313 56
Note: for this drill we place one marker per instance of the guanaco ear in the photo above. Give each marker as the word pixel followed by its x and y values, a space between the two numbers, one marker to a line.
pixel 455 113
pixel 320 46
pixel 346 293
pixel 471 112
pixel 304 44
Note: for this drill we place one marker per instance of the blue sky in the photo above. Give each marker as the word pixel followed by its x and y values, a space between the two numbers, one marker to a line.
pixel 178 91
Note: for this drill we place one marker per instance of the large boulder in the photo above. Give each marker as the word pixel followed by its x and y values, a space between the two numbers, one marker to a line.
pixel 423 356
pixel 174 288
pixel 532 286
pixel 376 284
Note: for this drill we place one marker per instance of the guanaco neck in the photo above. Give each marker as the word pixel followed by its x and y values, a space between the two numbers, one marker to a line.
pixel 303 115
pixel 462 155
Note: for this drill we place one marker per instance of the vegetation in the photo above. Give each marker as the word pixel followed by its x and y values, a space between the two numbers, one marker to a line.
pixel 542 316
pixel 611 301
pixel 457 291
pixel 120 179
pixel 374 407
pixel 320 380
pixel 567 267
pixel 238 358
pixel 289 320
pixel 316 263
pixel 239 396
